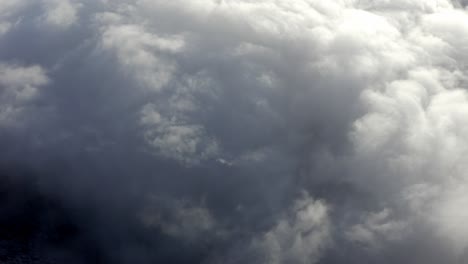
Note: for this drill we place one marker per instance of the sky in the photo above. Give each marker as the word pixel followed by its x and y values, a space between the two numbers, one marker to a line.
pixel 235 131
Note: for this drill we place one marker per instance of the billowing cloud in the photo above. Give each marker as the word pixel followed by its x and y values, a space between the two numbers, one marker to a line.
pixel 297 240
pixel 20 86
pixel 60 14
pixel 206 131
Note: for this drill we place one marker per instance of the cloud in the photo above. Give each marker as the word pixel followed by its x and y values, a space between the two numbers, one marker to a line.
pixel 300 240
pixel 8 10
pixel 20 86
pixel 414 130
pixel 377 228
pixel 228 112
pixel 301 234
pixel 175 139
pixel 137 50
pixel 60 14
pixel 183 220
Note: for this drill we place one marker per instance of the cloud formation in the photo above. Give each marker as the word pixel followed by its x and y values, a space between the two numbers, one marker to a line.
pixel 269 131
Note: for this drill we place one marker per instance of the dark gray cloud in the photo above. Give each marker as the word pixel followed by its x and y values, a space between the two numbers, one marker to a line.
pixel 234 131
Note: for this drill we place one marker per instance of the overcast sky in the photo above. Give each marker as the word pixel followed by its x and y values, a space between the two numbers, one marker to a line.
pixel 237 131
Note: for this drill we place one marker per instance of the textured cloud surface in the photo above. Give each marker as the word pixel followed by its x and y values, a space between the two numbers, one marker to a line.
pixel 235 131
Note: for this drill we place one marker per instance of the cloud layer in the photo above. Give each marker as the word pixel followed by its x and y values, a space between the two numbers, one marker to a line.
pixel 269 131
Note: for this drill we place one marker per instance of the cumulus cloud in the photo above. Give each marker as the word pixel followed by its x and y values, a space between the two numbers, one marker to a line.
pixel 176 139
pixel 376 229
pixel 205 127
pixel 414 128
pixel 8 10
pixel 298 240
pixel 20 86
pixel 60 14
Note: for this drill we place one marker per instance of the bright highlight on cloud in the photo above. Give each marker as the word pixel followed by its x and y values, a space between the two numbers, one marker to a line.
pixel 236 131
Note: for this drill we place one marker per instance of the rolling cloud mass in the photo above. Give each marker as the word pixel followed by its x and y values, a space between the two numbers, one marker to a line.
pixel 234 131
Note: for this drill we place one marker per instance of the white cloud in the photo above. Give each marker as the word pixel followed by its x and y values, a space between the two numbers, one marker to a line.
pixel 8 14
pixel 19 86
pixel 141 53
pixel 414 131
pixel 376 229
pixel 297 239
pixel 175 138
pixel 60 14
